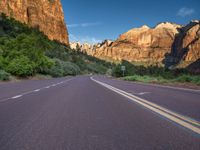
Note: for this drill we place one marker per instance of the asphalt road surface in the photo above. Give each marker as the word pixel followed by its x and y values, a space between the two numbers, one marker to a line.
pixel 97 113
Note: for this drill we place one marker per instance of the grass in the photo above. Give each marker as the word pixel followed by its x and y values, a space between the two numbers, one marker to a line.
pixel 193 79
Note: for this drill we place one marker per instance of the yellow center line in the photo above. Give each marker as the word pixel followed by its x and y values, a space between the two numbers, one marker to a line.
pixel 179 119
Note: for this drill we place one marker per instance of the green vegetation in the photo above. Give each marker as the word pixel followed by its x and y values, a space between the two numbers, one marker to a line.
pixel 159 79
pixel 25 52
pixel 155 74
pixel 4 75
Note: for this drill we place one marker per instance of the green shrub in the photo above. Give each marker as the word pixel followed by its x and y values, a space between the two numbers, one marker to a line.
pixel 1 62
pixel 4 75
pixel 184 78
pixel 21 66
pixel 70 68
pixel 62 68
pixel 196 80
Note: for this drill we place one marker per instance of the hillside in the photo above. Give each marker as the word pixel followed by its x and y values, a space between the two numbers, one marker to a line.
pixel 26 51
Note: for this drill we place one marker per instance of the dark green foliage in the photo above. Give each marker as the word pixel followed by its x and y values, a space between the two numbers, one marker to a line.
pixel 155 74
pixel 4 75
pixel 132 69
pixel 25 51
pixel 62 68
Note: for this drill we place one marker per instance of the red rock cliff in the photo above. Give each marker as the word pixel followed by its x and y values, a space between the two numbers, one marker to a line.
pixel 47 15
pixel 167 43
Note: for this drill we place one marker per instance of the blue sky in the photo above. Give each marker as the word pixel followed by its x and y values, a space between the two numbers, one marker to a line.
pixel 93 21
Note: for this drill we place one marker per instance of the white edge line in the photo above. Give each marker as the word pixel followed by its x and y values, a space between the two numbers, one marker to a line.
pixel 15 97
pixel 37 90
pixel 160 112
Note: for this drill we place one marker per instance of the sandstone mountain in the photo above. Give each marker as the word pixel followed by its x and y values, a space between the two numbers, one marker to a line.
pixel 47 15
pixel 167 43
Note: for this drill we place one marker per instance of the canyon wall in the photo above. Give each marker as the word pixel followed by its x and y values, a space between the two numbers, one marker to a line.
pixel 46 15
pixel 167 43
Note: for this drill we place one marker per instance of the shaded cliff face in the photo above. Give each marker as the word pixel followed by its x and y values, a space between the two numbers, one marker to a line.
pixel 186 46
pixel 168 44
pixel 47 15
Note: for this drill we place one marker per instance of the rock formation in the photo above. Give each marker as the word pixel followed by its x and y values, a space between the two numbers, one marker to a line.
pixel 47 15
pixel 167 43
pixel 141 44
pixel 186 46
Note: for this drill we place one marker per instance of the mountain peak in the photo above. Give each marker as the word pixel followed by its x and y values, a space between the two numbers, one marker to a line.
pixel 145 27
pixel 167 25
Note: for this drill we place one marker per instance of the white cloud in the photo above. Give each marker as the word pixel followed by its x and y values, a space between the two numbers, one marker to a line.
pixel 86 24
pixel 84 39
pixel 184 11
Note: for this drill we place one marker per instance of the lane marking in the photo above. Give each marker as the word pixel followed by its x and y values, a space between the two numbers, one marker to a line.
pixel 141 93
pixel 15 97
pixel 36 90
pixel 184 121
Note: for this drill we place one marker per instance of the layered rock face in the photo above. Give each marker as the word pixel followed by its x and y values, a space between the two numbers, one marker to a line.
pixel 90 49
pixel 169 44
pixel 141 44
pixel 47 15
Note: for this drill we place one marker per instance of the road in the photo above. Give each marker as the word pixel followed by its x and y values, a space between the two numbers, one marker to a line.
pixel 97 113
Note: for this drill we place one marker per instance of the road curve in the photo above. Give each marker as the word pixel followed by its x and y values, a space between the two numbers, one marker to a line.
pixel 79 114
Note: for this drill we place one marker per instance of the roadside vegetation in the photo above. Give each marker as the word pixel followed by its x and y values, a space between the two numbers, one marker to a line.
pixel 26 52
pixel 155 74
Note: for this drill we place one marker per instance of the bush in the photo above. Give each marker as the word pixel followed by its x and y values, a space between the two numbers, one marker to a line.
pixel 70 68
pixel 62 68
pixel 196 80
pixel 4 75
pixel 21 66
pixel 1 62
pixel 184 78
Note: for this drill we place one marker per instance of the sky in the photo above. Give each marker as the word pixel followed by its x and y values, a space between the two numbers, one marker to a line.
pixel 93 21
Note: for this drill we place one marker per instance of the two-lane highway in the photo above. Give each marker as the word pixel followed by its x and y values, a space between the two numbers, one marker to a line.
pixel 80 114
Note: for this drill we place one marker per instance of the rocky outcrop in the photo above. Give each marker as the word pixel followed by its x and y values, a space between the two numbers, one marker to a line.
pixel 167 43
pixel 90 48
pixel 186 46
pixel 86 48
pixel 141 44
pixel 46 15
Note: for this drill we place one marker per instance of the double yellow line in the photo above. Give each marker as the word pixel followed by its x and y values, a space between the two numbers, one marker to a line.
pixel 184 121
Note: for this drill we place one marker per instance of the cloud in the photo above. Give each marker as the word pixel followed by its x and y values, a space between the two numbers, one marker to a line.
pixel 87 24
pixel 184 11
pixel 84 39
